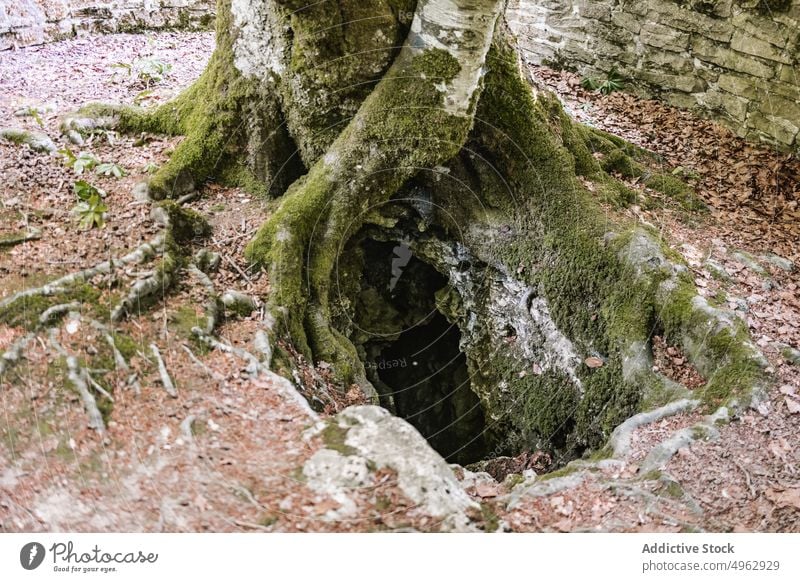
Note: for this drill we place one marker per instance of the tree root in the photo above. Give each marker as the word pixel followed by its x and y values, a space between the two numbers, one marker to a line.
pixel 14 352
pixel 132 380
pixel 211 373
pixel 52 313
pixel 260 366
pixel 81 380
pixel 166 381
pixel 141 254
pixel 145 289
pixel 620 440
pixel 18 238
pixel 212 301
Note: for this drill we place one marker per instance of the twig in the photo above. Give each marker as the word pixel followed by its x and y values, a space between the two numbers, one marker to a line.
pixel 166 381
pixel 233 264
pixel 753 492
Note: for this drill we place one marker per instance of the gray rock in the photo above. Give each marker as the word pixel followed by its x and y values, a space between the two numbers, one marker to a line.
pixel 789 353
pixel 717 270
pixel 748 261
pixel 363 439
pixel 778 261
pixel 35 140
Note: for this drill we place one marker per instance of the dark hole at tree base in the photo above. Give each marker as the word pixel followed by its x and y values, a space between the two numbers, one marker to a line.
pixel 417 367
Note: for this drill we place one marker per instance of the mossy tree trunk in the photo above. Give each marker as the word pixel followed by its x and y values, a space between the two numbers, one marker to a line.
pixel 377 114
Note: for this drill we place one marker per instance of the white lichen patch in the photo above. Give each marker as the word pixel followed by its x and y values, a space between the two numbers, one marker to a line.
pixel 258 47
pixel 463 28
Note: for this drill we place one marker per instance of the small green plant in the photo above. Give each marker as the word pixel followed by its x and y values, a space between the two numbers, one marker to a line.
pixel 150 168
pixel 90 208
pixel 111 169
pixel 613 82
pixel 35 112
pixel 147 71
pixel 142 96
pixel 81 162
pixel 151 71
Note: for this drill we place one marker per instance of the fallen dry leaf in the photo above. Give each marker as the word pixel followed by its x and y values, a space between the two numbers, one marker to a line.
pixel 793 405
pixel 787 498
pixel 593 362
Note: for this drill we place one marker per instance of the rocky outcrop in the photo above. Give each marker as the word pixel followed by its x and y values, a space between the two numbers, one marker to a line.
pixel 32 22
pixel 732 60
pixel 363 439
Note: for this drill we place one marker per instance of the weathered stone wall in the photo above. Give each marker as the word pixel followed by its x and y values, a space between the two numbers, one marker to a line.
pixel 30 22
pixel 733 60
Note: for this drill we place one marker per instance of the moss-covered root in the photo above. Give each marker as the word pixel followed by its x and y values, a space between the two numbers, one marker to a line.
pixel 418 116
pixel 180 225
pixel 715 340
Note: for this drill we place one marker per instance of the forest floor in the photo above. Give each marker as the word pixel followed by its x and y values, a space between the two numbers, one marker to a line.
pixel 227 454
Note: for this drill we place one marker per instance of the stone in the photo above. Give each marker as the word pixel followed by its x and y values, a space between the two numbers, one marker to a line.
pixel 717 54
pixel 748 261
pixel 775 129
pixel 37 141
pixel 752 45
pixel 778 261
pixel 661 36
pixel 368 438
pixel 738 85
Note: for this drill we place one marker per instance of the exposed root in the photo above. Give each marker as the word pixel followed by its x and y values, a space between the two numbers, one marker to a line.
pixel 80 380
pixel 620 440
pixel 239 302
pixel 212 302
pixel 13 354
pixel 256 366
pixel 119 360
pixel 166 381
pixel 660 455
pixel 144 289
pixel 211 373
pixel 52 313
pixel 141 254
pixel 18 238
pixel 187 431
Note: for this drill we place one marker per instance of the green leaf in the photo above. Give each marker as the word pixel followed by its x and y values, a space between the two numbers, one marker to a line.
pixel 110 169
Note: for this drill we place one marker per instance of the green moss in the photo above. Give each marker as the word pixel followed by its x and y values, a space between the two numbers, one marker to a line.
pixel 719 352
pixel 621 163
pixel 25 311
pixel 437 64
pixel 677 190
pixel 491 521
pixel 185 224
pixel 558 473
pixel 335 437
